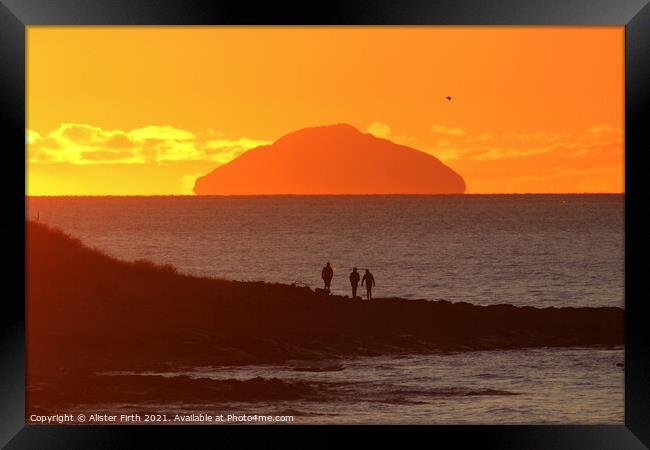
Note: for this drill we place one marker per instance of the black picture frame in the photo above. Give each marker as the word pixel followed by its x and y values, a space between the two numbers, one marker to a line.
pixel 16 15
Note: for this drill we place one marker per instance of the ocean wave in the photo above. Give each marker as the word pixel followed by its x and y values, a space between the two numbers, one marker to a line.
pixel 452 392
pixel 333 368
pixel 142 388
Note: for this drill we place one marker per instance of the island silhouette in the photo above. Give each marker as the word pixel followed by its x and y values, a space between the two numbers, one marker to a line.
pixel 331 159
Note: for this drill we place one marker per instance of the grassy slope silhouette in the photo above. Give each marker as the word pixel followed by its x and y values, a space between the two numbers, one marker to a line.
pixel 74 291
pixel 87 312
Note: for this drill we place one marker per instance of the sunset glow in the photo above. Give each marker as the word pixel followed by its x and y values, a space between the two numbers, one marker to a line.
pixel 147 110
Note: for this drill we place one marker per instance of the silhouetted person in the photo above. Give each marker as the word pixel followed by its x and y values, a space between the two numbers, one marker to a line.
pixel 354 281
pixel 327 273
pixel 369 280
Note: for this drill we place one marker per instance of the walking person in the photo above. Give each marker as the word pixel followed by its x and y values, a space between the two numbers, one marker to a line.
pixel 354 281
pixel 369 280
pixel 327 273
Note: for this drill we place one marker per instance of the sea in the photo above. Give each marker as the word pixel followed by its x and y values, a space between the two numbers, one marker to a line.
pixel 525 250
pixel 529 386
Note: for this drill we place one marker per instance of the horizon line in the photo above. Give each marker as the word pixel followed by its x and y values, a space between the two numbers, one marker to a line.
pixel 331 195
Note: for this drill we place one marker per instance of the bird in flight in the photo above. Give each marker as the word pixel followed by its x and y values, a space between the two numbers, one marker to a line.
pixel 448 98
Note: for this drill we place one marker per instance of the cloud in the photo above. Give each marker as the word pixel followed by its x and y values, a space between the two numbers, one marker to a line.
pixel 186 183
pixel 119 141
pixel 225 150
pixel 81 144
pixel 31 136
pixel 157 133
pixel 381 130
pixel 604 129
pixel 450 131
pixel 103 155
pixel 591 160
pixel 522 144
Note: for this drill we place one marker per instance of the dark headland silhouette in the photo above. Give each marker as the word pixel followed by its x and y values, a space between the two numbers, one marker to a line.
pixel 331 159
pixel 88 313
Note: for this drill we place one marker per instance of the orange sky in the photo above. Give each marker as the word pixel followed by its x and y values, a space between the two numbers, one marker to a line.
pixel 145 110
